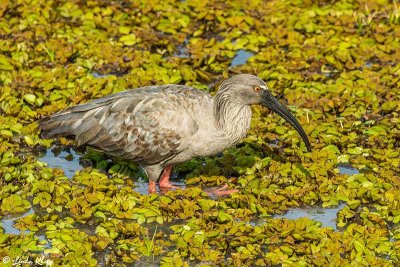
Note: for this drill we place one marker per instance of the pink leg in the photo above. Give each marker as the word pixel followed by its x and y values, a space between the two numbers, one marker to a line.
pixel 164 182
pixel 222 191
pixel 152 187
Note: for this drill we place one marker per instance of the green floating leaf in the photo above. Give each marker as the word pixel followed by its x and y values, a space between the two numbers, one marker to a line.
pixel 224 217
pixel 128 40
pixel 359 245
pixel 376 131
pixel 30 98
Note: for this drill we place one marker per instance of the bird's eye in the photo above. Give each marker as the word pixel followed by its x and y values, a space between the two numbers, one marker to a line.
pixel 257 89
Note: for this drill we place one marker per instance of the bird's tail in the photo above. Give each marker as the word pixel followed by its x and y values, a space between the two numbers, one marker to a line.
pixel 59 124
pixel 79 121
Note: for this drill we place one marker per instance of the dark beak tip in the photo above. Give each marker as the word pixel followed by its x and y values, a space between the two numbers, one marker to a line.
pixel 273 104
pixel 307 143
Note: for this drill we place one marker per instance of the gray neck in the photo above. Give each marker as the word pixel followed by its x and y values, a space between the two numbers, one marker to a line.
pixel 231 118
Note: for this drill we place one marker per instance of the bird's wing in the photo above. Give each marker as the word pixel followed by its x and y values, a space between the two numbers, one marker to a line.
pixel 146 125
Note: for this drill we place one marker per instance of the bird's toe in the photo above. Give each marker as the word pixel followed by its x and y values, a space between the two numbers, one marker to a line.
pixel 222 191
pixel 168 185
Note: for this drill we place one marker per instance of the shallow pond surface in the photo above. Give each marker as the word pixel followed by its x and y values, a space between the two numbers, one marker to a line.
pixel 69 160
pixel 241 58
pixel 142 185
pixel 148 262
pixel 183 51
pixel 66 159
pixel 347 169
pixel 99 75
pixel 8 222
pixel 327 216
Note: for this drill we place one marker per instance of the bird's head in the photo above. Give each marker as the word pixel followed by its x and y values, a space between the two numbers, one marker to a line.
pixel 247 89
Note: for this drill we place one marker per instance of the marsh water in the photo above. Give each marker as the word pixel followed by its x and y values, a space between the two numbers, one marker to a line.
pixel 66 159
pixel 9 228
pixel 70 161
pixel 241 58
pixel 347 169
pixel 8 222
pixel 326 216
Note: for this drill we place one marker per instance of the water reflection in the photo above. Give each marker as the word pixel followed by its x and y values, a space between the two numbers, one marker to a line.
pixel 347 169
pixel 8 222
pixel 326 216
pixel 241 58
pixel 66 159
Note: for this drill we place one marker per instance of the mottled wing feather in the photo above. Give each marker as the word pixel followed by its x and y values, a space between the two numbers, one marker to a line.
pixel 144 125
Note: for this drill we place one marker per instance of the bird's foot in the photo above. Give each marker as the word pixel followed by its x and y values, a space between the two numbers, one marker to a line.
pixel 222 191
pixel 164 187
pixel 167 185
pixel 164 183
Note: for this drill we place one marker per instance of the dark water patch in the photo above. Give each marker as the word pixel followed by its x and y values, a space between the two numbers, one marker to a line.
pixel 393 239
pixel 165 227
pixel 100 75
pixel 8 222
pixel 148 262
pixel 103 257
pixel 106 71
pixel 42 237
pixel 71 160
pixel 86 228
pixel 330 74
pixel 274 143
pixel 182 50
pixel 347 169
pixel 241 58
pixel 9 228
pixel 66 159
pixel 142 185
pixel 326 216
pixel 368 64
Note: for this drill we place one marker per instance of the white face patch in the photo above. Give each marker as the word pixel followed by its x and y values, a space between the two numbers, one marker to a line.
pixel 264 87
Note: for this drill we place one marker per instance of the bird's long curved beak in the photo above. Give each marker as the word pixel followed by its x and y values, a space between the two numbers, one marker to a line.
pixel 272 103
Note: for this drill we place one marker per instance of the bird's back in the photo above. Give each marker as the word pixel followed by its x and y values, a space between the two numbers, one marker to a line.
pixel 148 125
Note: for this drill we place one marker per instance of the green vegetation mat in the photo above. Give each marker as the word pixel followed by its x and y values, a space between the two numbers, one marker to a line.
pixel 336 64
